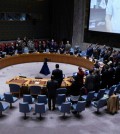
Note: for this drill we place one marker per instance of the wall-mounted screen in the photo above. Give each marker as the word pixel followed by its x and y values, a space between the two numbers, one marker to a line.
pixel 104 16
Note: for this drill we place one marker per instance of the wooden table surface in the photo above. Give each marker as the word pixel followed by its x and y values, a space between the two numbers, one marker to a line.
pixel 39 57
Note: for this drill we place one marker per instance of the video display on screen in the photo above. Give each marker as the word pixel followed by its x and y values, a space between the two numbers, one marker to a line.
pixel 104 16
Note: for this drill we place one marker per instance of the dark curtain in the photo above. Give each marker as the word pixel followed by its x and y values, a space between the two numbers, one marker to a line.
pixel 61 14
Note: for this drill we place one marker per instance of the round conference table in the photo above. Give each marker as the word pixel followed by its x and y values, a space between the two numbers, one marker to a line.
pixel 52 57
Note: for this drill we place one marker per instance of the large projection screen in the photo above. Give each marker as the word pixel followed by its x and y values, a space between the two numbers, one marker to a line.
pixel 104 16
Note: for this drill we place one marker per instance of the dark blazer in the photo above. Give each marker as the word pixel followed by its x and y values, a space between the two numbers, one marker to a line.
pixel 89 82
pixel 58 75
pixel 75 88
pixel 52 85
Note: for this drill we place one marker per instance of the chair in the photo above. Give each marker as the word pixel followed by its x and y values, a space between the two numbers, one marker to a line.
pixel 40 108
pixel 10 99
pixel 3 107
pixel 42 99
pixel 14 88
pixel 79 107
pixel 89 97
pixel 60 99
pixel 99 104
pixel 28 98
pixel 65 108
pixel 100 94
pixel 110 91
pixel 24 108
pixel 117 89
pixel 35 90
pixel 61 91
pixel 1 97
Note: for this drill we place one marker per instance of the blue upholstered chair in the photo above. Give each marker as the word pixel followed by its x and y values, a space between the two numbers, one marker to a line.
pixel 35 90
pixel 24 108
pixel 117 89
pixel 79 107
pixel 60 99
pixel 28 98
pixel 100 94
pixel 40 108
pixel 61 91
pixel 3 107
pixel 88 97
pixel 100 103
pixel 110 91
pixel 14 89
pixel 1 97
pixel 42 99
pixel 10 99
pixel 65 107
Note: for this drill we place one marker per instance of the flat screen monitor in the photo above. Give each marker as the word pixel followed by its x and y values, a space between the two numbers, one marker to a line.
pixel 104 16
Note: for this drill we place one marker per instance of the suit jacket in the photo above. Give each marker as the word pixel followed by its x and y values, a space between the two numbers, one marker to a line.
pixel 52 85
pixel 58 75
pixel 89 82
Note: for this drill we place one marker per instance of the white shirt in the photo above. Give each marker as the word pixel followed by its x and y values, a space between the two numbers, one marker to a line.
pixel 113 9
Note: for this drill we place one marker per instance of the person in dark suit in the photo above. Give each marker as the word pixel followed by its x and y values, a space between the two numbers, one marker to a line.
pixel 75 90
pixel 58 74
pixel 89 81
pixel 52 85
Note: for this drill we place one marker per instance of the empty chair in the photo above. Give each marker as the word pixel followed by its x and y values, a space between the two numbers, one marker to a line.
pixel 61 91
pixel 3 107
pixel 28 98
pixel 35 90
pixel 65 107
pixel 100 94
pixel 80 106
pixel 117 89
pixel 42 99
pixel 24 108
pixel 110 91
pixel 99 104
pixel 1 97
pixel 60 99
pixel 88 97
pixel 40 108
pixel 14 89
pixel 10 99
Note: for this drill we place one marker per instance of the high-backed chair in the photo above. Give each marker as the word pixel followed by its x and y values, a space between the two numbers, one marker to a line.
pixel 1 97
pixel 14 89
pixel 65 107
pixel 100 94
pixel 110 91
pixel 35 90
pixel 40 108
pixel 3 107
pixel 10 99
pixel 61 91
pixel 42 99
pixel 24 108
pixel 60 99
pixel 117 89
pixel 79 107
pixel 89 97
pixel 28 98
pixel 99 104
